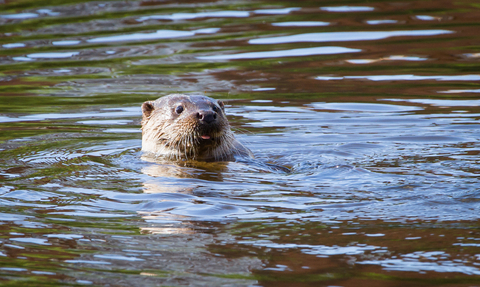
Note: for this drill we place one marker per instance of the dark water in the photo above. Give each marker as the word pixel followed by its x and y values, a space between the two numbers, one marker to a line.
pixel 373 105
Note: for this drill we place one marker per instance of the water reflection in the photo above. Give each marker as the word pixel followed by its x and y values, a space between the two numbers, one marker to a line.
pixel 426 18
pixel 19 16
pixel 346 36
pixel 362 107
pixel 284 53
pixel 301 24
pixel 276 11
pixel 189 16
pixel 446 103
pixel 315 250
pixel 460 91
pixel 389 58
pixel 160 34
pixel 406 78
pixel 13 45
pixel 347 9
pixel 408 264
pixel 57 55
pixel 66 42
pixel 216 14
pixel 379 22
pixel 106 113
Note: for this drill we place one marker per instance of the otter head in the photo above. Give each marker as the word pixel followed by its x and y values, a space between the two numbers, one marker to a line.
pixel 184 127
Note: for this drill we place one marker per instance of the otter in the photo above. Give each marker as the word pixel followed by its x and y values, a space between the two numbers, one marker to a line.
pixel 189 127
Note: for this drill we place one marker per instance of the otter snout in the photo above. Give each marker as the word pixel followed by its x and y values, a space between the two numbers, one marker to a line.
pixel 207 117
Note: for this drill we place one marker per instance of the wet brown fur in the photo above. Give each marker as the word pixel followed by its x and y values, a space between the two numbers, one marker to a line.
pixel 178 136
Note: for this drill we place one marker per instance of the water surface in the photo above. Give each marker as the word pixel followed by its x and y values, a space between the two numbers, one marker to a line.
pixel 374 107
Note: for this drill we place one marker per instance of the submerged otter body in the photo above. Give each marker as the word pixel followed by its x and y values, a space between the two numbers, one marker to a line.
pixel 189 127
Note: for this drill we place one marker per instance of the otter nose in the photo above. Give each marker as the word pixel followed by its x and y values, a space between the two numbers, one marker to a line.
pixel 207 116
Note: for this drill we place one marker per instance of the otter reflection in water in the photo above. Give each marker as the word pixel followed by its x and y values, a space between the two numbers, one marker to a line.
pixel 189 127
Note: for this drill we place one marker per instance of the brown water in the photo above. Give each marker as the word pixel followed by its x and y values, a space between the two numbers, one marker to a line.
pixel 373 105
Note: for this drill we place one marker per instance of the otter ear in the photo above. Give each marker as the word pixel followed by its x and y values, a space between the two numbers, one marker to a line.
pixel 220 103
pixel 147 108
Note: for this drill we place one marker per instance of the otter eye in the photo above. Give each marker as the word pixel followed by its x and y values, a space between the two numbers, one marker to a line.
pixel 179 109
pixel 215 109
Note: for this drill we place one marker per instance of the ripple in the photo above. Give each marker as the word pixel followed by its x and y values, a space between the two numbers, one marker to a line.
pixel 87 262
pixel 159 34
pixel 276 11
pixel 124 112
pixel 48 12
pixel 64 236
pixel 347 8
pixel 13 45
pixel 19 16
pixel 301 24
pixel 364 107
pixel 379 22
pixel 314 249
pixel 13 269
pixel 468 245
pixel 406 78
pixel 416 266
pixel 62 71
pixel 210 210
pixel 413 238
pixel 189 16
pixel 13 217
pixel 216 14
pixel 426 18
pixel 284 53
pixel 425 139
pixel 31 240
pixel 22 59
pixel 43 273
pixel 447 103
pixel 105 122
pixel 52 55
pixel 206 31
pixel 92 214
pixel 13 246
pixel 118 257
pixel 262 90
pixel 389 58
pixel 460 91
pixel 472 55
pixel 346 36
pixel 66 42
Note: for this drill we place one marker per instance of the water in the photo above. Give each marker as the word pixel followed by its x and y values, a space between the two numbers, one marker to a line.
pixel 373 106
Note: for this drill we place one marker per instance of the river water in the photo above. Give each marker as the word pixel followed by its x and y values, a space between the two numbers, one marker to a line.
pixel 374 106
